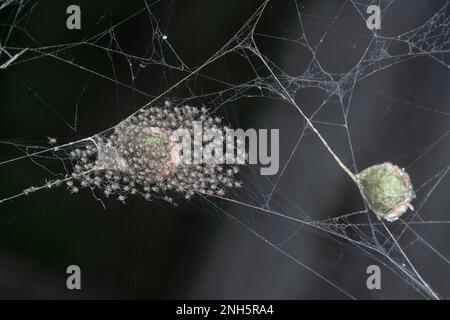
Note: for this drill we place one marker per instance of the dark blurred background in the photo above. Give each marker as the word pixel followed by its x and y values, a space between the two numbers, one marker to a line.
pixel 209 249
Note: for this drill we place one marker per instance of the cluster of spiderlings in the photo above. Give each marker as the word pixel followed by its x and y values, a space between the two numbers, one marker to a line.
pixel 136 158
pixel 85 163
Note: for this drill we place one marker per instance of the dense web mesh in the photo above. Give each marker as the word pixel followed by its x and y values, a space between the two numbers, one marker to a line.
pixel 313 70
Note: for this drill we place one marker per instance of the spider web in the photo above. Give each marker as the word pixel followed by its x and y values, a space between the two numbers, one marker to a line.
pixel 313 70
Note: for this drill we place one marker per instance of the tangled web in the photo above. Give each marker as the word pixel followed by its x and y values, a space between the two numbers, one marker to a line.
pixel 313 70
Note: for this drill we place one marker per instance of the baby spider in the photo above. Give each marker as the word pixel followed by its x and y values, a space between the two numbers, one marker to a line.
pixel 52 141
pixel 74 190
pixel 48 184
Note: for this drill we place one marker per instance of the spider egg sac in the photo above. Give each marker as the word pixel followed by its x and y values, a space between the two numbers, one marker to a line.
pixel 387 190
